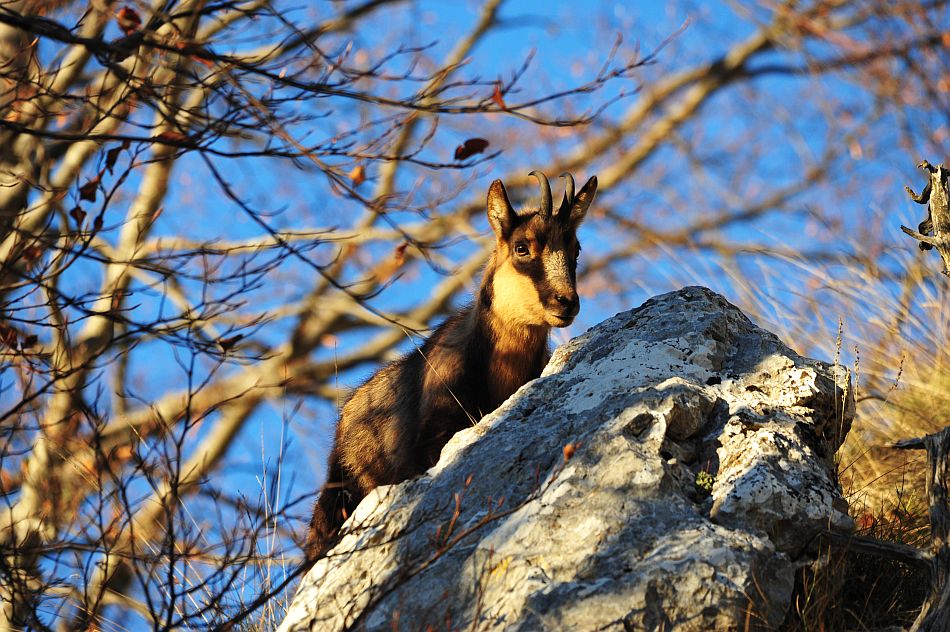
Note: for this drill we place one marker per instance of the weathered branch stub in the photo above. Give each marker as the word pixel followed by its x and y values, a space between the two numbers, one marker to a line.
pixel 935 613
pixel 934 231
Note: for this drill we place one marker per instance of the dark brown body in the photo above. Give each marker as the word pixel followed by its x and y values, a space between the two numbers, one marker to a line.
pixel 394 426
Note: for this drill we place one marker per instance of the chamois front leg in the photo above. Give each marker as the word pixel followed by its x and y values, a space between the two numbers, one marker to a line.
pixel 371 448
pixel 445 406
pixel 438 426
pixel 356 468
pixel 338 498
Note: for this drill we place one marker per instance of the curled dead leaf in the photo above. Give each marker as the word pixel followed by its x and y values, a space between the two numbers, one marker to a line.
pixel 123 452
pixel 171 136
pixel 389 267
pixel 111 156
pixel 399 255
pixel 357 175
pixel 78 215
pixel 8 481
pixel 204 61
pixel 471 147
pixel 32 253
pixel 569 450
pixel 497 96
pixel 227 344
pixel 88 191
pixel 128 20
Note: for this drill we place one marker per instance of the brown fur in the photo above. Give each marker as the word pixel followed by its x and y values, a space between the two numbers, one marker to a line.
pixel 394 426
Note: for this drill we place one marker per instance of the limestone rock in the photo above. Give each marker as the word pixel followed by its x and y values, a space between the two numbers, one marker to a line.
pixel 507 533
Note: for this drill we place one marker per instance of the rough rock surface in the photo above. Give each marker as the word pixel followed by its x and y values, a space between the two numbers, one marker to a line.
pixel 512 530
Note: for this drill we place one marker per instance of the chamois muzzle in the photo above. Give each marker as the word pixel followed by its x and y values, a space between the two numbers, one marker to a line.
pixel 567 305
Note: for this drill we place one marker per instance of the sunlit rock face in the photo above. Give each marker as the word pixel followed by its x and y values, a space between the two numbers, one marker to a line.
pixel 666 472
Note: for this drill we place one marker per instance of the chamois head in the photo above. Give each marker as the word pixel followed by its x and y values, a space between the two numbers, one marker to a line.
pixel 532 280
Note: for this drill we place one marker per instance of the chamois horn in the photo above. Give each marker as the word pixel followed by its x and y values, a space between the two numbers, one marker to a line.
pixel 545 210
pixel 568 193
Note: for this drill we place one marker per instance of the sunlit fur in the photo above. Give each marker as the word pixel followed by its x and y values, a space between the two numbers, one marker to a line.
pixel 394 426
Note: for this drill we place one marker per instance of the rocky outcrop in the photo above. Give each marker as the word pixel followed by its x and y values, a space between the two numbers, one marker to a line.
pixel 666 472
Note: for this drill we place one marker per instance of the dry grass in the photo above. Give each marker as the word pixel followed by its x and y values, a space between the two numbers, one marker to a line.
pixel 888 320
pixel 898 333
pixel 892 327
pixel 846 590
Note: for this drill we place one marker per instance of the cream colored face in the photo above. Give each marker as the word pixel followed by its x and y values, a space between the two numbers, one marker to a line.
pixel 534 282
pixel 516 296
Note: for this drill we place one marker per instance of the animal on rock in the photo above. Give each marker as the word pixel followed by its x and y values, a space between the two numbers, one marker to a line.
pixel 394 426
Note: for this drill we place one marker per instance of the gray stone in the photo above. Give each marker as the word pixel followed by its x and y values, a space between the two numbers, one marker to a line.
pixel 506 533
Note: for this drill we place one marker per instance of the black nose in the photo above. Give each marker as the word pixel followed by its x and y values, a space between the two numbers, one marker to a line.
pixel 569 303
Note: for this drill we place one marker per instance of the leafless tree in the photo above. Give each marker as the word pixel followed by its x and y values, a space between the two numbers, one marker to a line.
pixel 214 216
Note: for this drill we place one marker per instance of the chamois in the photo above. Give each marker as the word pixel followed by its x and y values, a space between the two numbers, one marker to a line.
pixel 394 426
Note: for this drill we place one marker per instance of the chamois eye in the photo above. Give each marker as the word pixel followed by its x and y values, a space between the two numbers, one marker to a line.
pixel 522 250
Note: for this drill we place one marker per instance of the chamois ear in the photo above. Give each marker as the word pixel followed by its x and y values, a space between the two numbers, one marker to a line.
pixel 582 202
pixel 500 214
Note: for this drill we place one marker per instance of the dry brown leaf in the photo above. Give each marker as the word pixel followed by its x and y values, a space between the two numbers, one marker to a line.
pixel 569 450
pixel 171 136
pixel 204 61
pixel 357 175
pixel 32 253
pixel 128 20
pixel 88 191
pixel 470 147
pixel 389 267
pixel 498 98
pixel 228 343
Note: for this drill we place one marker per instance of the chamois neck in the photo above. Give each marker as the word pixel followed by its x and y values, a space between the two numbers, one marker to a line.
pixel 514 352
pixel 509 337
